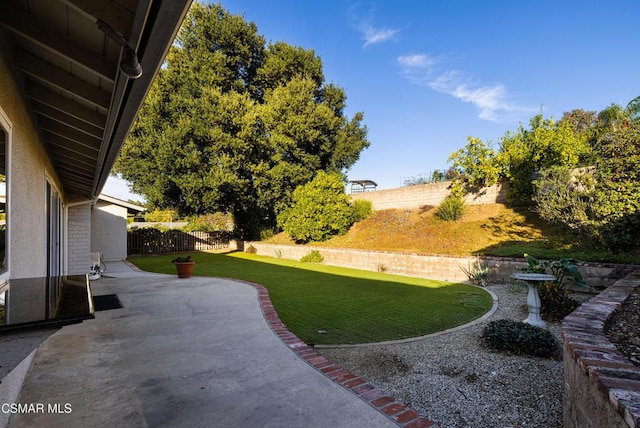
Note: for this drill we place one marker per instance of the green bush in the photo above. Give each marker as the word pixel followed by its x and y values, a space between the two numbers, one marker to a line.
pixel 361 209
pixel 313 256
pixel 159 215
pixel 213 222
pixel 265 233
pixel 564 196
pixel 477 274
pixel 320 210
pixel 554 297
pixel 517 337
pixel 451 209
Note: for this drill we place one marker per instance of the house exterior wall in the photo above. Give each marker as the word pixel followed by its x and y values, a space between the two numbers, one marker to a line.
pixel 27 175
pixel 109 230
pixel 78 238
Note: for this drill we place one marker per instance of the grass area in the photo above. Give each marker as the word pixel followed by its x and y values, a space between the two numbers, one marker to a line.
pixel 493 230
pixel 327 305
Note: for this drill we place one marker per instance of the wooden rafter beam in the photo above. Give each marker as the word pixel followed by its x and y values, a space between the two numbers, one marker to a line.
pixel 59 78
pixel 71 157
pixel 69 133
pixel 60 116
pixel 61 159
pixel 119 18
pixel 70 145
pixel 38 31
pixel 59 102
pixel 64 146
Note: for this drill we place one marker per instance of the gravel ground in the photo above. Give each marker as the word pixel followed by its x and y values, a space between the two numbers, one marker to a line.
pixel 623 330
pixel 454 381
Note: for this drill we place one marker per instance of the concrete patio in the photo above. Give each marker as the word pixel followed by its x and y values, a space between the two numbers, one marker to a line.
pixel 181 352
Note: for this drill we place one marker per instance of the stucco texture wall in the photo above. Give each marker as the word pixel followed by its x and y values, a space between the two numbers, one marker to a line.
pixel 27 182
pixel 109 230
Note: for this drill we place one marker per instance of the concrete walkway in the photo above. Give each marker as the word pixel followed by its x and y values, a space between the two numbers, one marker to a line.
pixel 192 353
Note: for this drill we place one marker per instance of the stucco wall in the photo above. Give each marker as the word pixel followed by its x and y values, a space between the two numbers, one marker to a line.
pixel 109 230
pixel 27 182
pixel 432 194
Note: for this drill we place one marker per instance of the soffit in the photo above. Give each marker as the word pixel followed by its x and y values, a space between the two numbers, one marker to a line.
pixel 69 71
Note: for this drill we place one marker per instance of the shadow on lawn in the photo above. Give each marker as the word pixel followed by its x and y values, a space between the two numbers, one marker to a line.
pixel 328 305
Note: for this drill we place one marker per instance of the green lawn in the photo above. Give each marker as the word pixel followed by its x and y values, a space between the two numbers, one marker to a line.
pixel 328 305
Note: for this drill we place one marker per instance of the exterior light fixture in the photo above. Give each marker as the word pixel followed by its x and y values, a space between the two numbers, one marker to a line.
pixel 129 63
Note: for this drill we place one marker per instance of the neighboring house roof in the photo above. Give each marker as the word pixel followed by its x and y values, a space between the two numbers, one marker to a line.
pixel 115 201
pixel 68 53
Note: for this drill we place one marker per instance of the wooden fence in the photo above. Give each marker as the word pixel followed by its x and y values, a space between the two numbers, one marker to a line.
pixel 154 241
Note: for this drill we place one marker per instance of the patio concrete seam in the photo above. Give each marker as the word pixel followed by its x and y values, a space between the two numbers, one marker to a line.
pixel 398 412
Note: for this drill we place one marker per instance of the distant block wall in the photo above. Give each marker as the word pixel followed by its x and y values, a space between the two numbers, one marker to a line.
pixel 431 194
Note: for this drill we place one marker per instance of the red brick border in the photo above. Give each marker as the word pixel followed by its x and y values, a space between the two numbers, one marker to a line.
pixel 608 370
pixel 398 412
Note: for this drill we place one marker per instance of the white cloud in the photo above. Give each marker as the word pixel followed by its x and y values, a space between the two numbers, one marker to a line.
pixel 377 35
pixel 492 101
pixel 417 61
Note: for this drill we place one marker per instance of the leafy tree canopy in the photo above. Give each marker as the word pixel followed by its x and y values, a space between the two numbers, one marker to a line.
pixel 234 125
pixel 520 155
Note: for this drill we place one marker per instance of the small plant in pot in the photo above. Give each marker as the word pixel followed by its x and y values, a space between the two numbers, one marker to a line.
pixel 184 266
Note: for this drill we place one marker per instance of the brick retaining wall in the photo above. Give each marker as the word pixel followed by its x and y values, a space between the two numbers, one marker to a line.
pixel 602 387
pixel 438 267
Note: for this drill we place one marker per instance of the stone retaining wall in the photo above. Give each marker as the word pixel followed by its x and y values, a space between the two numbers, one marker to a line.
pixel 602 387
pixel 438 267
pixel 431 194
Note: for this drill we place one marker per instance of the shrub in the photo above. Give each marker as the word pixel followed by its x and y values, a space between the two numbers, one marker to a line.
pixel 251 249
pixel 563 196
pixel 554 298
pixel 266 233
pixel 313 256
pixel 477 273
pixel 517 337
pixel 451 209
pixel 159 215
pixel 563 269
pixel 320 210
pixel 213 222
pixel 361 209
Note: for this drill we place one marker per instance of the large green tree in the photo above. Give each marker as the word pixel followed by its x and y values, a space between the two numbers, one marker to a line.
pixel 521 155
pixel 616 204
pixel 232 124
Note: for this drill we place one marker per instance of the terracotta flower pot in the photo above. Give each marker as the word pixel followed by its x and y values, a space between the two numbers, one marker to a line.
pixel 185 269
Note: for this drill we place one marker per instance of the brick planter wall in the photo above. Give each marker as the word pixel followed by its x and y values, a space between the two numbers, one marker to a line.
pixel 602 387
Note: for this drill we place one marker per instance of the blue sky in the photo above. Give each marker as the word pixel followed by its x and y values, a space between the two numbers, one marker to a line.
pixel 428 74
